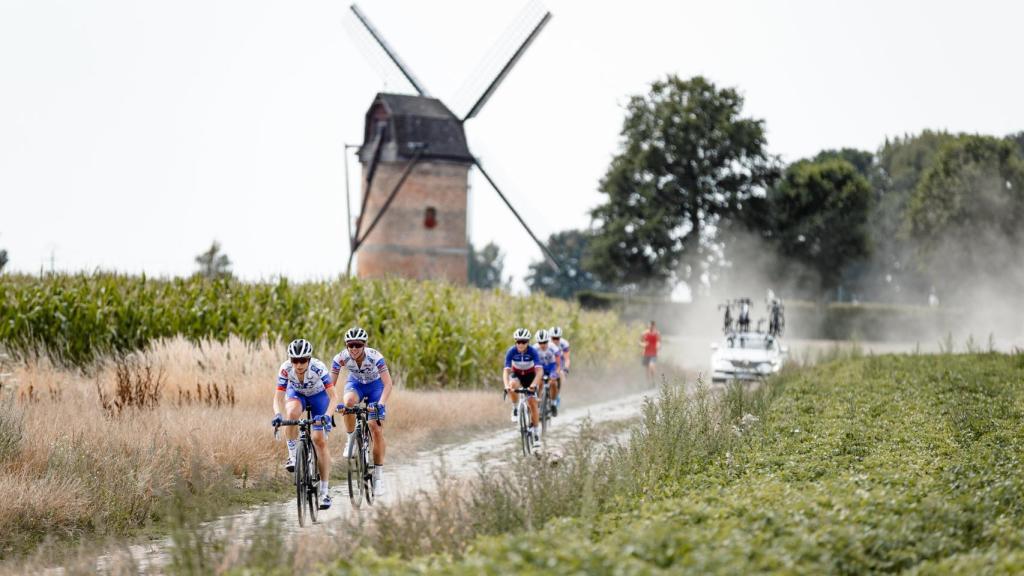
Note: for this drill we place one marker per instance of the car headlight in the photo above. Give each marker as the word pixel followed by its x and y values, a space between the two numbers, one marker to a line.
pixel 722 366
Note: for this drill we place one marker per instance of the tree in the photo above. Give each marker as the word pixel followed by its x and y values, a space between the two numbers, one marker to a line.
pixel 965 214
pixel 688 162
pixel 569 248
pixel 3 259
pixel 213 264
pixel 819 217
pixel 486 266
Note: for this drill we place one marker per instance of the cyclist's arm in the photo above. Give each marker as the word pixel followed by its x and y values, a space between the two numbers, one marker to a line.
pixel 386 379
pixel 332 393
pixel 279 402
pixel 505 378
pixel 538 376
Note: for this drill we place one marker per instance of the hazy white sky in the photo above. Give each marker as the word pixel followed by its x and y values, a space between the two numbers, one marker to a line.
pixel 133 133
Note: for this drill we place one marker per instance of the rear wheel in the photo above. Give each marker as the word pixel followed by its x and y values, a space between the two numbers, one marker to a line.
pixel 313 483
pixel 366 452
pixel 301 481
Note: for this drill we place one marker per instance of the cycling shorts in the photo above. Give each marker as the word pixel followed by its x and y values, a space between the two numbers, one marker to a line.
pixel 372 391
pixel 516 380
pixel 317 403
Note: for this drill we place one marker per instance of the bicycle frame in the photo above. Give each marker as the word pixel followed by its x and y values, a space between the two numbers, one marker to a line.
pixel 307 470
pixel 360 459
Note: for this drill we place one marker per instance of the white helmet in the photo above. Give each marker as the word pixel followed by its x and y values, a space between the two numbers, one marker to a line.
pixel 356 334
pixel 521 334
pixel 542 336
pixel 300 348
pixel 556 332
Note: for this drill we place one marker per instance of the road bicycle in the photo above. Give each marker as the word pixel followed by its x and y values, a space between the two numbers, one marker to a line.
pixel 307 470
pixel 360 455
pixel 544 406
pixel 523 410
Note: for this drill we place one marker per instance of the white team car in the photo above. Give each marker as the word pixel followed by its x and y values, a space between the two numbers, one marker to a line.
pixel 746 356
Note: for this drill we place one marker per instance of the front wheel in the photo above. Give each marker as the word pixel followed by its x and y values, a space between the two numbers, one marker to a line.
pixel 545 414
pixel 301 482
pixel 355 474
pixel 524 428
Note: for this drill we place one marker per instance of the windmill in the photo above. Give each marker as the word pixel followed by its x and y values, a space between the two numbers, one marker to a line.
pixel 416 164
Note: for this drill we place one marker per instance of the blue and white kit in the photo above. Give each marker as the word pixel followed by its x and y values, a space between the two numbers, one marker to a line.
pixel 311 391
pixel 550 359
pixel 522 363
pixel 364 376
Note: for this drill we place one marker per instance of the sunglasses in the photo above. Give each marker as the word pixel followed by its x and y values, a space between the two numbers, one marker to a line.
pixel 354 345
pixel 522 341
pixel 300 360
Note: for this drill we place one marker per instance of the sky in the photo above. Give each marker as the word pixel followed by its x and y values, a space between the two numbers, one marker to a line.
pixel 135 133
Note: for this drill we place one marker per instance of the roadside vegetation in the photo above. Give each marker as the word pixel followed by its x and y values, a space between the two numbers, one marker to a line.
pixel 436 335
pixel 864 464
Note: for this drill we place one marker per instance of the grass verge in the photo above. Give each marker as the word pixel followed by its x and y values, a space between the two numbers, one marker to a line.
pixel 872 464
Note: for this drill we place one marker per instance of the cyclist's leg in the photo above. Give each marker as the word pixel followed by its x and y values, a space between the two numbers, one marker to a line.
pixel 531 401
pixel 319 404
pixel 373 394
pixel 553 385
pixel 350 398
pixel 293 406
pixel 513 395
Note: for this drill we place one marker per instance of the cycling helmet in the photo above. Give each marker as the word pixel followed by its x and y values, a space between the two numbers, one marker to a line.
pixel 542 336
pixel 556 332
pixel 300 348
pixel 356 333
pixel 521 334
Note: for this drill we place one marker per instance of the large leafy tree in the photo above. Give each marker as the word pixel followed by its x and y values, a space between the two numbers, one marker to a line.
pixel 3 259
pixel 819 218
pixel 902 162
pixel 569 248
pixel 689 162
pixel 213 263
pixel 486 266
pixel 965 214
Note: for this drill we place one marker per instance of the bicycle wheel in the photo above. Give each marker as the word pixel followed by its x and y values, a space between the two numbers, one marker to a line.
pixel 366 452
pixel 545 414
pixel 313 486
pixel 355 474
pixel 524 428
pixel 301 481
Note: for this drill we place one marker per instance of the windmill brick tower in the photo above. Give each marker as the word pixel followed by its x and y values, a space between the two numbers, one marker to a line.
pixel 416 144
pixel 413 220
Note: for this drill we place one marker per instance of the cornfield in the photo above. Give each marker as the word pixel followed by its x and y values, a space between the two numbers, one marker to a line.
pixel 434 334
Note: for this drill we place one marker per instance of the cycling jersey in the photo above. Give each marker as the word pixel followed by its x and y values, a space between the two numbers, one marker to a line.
pixel 315 380
pixel 564 344
pixel 365 372
pixel 550 360
pixel 522 363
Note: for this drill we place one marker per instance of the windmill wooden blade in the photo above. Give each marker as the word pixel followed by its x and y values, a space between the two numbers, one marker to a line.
pixel 489 91
pixel 389 51
pixel 544 249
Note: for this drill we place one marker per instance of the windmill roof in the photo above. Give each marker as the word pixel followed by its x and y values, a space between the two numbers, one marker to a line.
pixel 414 121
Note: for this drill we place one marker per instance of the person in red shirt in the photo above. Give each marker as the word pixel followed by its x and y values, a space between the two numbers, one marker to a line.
pixel 651 341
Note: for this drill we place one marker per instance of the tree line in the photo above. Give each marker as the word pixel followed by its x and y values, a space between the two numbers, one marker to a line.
pixel 693 196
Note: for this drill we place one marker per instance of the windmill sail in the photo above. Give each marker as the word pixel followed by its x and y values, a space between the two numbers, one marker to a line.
pixel 389 51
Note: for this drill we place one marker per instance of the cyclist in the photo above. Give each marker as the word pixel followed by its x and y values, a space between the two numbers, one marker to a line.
pixel 551 360
pixel 557 340
pixel 650 340
pixel 369 378
pixel 523 368
pixel 303 382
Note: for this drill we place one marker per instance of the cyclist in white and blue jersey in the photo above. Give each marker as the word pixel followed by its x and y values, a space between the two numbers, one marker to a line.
pixel 523 369
pixel 369 378
pixel 551 360
pixel 302 382
pixel 557 340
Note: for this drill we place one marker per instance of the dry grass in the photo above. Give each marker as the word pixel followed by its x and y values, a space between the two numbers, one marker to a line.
pixel 79 468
